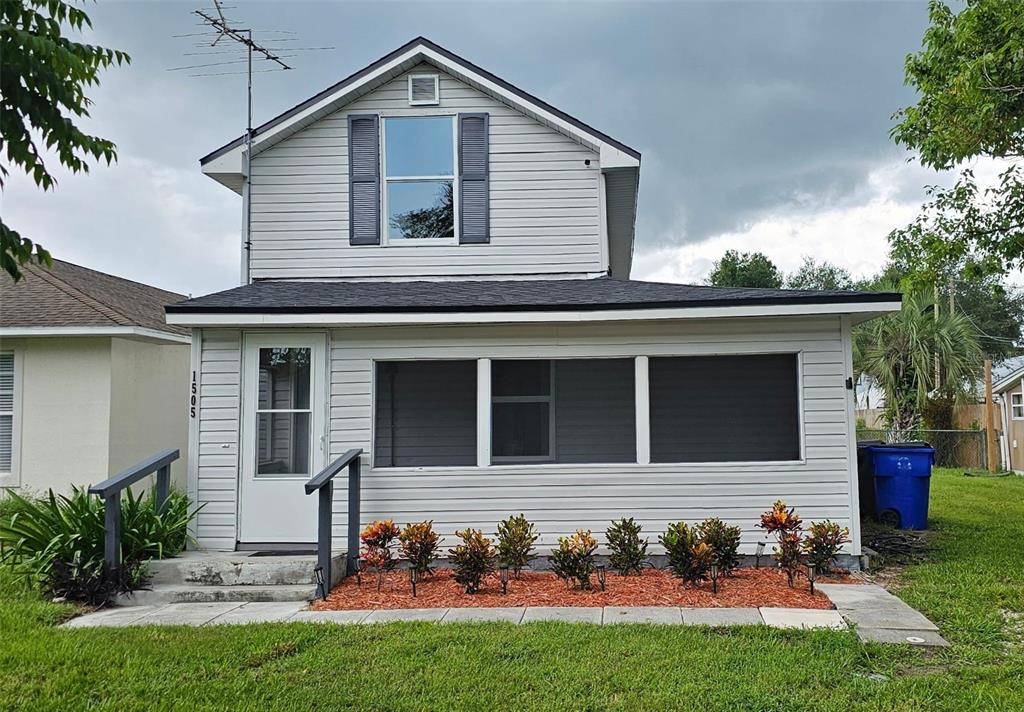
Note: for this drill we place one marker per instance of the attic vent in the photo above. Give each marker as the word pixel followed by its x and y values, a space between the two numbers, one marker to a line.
pixel 424 90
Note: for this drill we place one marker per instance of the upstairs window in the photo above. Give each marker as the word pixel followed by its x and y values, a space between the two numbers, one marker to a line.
pixel 419 179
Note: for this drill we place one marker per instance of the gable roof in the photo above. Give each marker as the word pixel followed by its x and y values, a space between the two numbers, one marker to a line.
pixel 69 296
pixel 603 294
pixel 1006 373
pixel 224 163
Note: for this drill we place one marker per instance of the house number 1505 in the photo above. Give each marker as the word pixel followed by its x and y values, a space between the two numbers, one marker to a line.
pixel 192 400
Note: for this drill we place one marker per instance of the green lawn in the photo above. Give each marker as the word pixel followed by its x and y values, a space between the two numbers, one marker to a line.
pixel 971 587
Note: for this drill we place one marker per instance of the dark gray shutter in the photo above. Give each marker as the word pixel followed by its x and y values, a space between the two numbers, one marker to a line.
pixel 474 206
pixel 363 180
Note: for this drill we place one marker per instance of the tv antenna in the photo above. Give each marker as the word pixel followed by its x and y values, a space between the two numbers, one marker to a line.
pixel 238 38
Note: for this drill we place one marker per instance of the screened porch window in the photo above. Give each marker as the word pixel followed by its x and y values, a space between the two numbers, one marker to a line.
pixel 425 414
pixel 522 422
pixel 725 408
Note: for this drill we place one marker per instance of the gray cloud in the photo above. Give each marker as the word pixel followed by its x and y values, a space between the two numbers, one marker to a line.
pixel 739 110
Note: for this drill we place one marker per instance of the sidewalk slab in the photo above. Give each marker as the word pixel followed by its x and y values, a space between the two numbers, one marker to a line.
pixel 483 615
pixel 564 614
pixel 921 638
pixel 903 618
pixel 428 615
pixel 802 618
pixel 186 614
pixel 665 615
pixel 116 617
pixel 722 616
pixel 340 617
pixel 858 596
pixel 258 613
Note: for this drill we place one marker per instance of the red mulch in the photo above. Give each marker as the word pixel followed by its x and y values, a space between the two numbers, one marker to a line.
pixel 747 588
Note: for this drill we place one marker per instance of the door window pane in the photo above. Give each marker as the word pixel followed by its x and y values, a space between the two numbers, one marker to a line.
pixel 284 379
pixel 419 146
pixel 283 444
pixel 521 429
pixel 421 210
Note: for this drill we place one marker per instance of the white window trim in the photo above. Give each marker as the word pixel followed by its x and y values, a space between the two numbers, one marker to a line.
pixel 385 179
pixel 437 90
pixel 13 477
pixel 1016 408
pixel 549 399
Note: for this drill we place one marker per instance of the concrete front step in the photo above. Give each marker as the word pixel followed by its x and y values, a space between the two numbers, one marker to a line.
pixel 238 569
pixel 169 593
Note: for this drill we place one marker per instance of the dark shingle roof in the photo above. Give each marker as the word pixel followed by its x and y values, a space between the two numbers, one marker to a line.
pixel 70 295
pixel 498 295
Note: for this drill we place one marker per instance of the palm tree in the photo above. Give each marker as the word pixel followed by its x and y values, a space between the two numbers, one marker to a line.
pixel 899 352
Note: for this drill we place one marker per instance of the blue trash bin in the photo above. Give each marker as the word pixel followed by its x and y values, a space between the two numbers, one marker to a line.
pixel 902 478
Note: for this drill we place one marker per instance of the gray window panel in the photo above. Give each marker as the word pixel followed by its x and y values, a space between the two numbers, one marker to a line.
pixel 595 411
pixel 425 414
pixel 521 430
pixel 724 408
pixel 572 411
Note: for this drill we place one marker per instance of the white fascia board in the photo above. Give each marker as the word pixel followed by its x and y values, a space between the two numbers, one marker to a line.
pixel 231 161
pixel 124 332
pixel 869 310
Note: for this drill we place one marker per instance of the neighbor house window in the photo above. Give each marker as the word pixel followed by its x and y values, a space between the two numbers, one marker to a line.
pixel 6 412
pixel 724 408
pixel 419 178
pixel 425 414
pixel 1017 406
pixel 566 411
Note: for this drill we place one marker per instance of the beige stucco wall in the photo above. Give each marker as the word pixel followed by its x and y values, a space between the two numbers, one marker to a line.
pixel 64 401
pixel 148 403
pixel 88 407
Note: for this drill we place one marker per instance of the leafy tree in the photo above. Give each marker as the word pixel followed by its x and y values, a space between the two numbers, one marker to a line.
pixel 819 275
pixel 427 223
pixel 899 352
pixel 970 80
pixel 995 310
pixel 42 90
pixel 747 269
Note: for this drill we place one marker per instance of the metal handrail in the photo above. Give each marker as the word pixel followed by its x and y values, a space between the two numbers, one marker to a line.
pixel 110 490
pixel 323 483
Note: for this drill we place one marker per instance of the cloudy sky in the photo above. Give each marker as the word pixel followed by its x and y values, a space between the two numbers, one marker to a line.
pixel 762 126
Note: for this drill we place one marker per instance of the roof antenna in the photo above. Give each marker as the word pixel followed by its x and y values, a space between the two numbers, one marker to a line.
pixel 216 27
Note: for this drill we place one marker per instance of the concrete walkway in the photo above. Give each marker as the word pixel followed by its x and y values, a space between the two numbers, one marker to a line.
pixel 877 614
pixel 202 614
pixel 882 617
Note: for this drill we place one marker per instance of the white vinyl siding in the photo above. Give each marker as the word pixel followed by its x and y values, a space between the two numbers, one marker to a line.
pixel 217 454
pixel 562 497
pixel 544 200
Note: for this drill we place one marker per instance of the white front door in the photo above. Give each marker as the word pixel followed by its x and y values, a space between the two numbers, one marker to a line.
pixel 284 389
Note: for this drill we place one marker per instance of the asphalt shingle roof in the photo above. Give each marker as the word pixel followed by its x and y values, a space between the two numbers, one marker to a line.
pixel 70 295
pixel 498 295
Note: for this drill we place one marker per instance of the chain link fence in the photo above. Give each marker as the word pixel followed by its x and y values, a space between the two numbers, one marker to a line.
pixel 953 448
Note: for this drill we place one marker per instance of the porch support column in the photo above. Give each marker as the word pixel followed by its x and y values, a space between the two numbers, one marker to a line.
pixel 643 411
pixel 483 412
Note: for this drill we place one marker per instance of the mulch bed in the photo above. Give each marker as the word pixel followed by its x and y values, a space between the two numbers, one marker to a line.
pixel 747 588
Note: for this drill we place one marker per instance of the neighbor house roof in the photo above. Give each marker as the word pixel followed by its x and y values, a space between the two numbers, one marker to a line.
pixel 508 296
pixel 69 299
pixel 1007 373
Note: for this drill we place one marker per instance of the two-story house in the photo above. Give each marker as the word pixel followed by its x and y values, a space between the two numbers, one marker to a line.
pixel 436 270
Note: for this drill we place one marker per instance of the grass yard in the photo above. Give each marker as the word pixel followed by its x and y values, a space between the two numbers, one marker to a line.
pixel 973 587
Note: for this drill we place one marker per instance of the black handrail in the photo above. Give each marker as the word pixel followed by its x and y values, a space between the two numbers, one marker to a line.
pixel 323 482
pixel 110 490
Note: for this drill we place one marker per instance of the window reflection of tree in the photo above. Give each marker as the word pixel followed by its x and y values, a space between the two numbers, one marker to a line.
pixel 425 223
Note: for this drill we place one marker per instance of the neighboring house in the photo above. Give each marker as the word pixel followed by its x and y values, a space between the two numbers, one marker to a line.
pixel 436 271
pixel 92 379
pixel 1008 389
